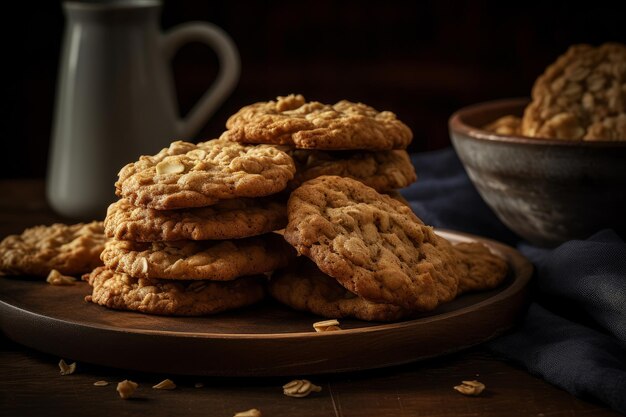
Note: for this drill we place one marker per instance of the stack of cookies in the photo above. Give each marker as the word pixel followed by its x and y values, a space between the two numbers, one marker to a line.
pixel 369 256
pixel 192 231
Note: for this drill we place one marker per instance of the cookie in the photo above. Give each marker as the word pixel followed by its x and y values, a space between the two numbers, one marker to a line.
pixel 187 175
pixel 219 260
pixel 171 298
pixel 228 219
pixel 506 125
pixel 70 249
pixel 581 96
pixel 372 244
pixel 304 287
pixel 383 171
pixel 292 121
pixel 484 270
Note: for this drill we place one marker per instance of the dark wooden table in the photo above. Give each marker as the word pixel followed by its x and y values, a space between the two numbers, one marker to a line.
pixel 30 383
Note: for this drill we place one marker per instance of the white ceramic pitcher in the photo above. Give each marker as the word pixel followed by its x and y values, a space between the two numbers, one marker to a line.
pixel 116 100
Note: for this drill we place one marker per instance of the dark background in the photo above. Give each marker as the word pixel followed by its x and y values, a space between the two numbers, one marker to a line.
pixel 419 59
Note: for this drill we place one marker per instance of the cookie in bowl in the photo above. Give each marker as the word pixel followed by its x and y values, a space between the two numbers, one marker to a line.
pixel 552 167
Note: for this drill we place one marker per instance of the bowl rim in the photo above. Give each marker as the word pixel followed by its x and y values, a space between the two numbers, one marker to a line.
pixel 458 125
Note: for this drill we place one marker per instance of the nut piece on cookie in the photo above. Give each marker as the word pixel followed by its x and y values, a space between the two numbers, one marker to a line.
pixel 372 244
pixel 70 249
pixel 293 121
pixel 581 96
pixel 186 175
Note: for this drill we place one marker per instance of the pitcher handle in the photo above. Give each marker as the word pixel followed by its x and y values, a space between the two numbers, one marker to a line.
pixel 227 76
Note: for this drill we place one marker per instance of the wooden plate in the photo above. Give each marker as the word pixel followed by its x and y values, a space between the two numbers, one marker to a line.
pixel 267 339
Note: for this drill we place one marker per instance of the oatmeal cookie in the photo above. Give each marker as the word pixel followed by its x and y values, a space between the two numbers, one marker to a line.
pixel 581 96
pixel 484 270
pixel 219 260
pixel 292 121
pixel 304 287
pixel 383 171
pixel 372 244
pixel 171 298
pixel 187 175
pixel 228 219
pixel 506 125
pixel 70 249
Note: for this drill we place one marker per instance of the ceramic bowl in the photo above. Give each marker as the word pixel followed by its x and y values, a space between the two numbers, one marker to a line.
pixel 547 191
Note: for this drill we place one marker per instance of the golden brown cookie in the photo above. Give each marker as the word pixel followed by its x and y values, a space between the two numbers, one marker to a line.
pixel 372 244
pixel 304 287
pixel 312 125
pixel 484 270
pixel 171 298
pixel 506 125
pixel 187 175
pixel 580 96
pixel 70 249
pixel 228 219
pixel 218 260
pixel 383 171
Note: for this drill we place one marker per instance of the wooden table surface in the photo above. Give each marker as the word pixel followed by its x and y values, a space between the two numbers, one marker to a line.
pixel 30 383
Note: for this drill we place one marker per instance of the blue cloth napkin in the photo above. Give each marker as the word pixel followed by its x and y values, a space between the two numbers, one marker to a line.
pixel 574 332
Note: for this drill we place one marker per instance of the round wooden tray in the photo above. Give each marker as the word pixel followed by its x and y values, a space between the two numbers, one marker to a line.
pixel 267 339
